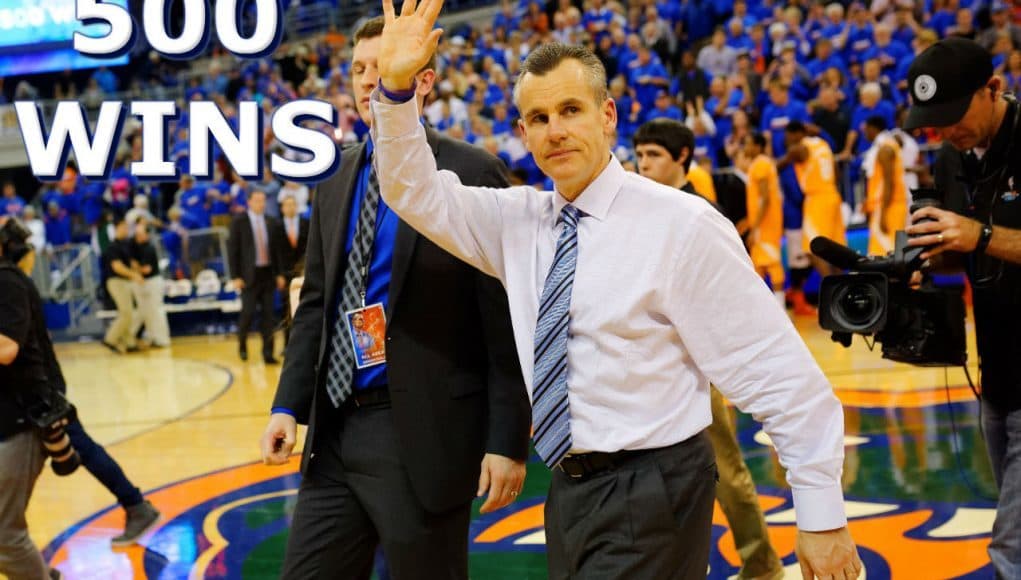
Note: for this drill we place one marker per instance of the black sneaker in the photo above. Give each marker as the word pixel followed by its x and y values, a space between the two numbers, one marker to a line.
pixel 55 574
pixel 140 519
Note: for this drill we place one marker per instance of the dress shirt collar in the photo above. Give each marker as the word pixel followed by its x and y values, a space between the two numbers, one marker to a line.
pixel 596 199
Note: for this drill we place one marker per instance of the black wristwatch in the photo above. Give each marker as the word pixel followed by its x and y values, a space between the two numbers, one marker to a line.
pixel 983 238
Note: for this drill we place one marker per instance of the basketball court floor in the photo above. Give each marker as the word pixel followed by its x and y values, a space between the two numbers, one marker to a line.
pixel 185 422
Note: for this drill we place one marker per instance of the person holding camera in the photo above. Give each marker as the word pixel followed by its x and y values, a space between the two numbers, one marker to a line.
pixel 955 92
pixel 24 386
pixel 37 421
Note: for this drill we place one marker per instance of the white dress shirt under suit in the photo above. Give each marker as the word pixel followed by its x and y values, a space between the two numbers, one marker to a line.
pixel 665 300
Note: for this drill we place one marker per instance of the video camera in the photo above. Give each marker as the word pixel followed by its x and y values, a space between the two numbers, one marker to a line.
pixel 922 326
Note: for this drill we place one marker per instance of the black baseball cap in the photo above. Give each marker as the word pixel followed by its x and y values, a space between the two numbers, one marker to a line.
pixel 943 79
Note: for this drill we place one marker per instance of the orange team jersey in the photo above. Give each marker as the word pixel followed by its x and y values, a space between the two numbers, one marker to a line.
pixel 822 215
pixel 766 251
pixel 702 181
pixel 895 216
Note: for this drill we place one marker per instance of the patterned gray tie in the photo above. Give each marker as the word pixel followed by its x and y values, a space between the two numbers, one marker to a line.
pixel 551 415
pixel 342 358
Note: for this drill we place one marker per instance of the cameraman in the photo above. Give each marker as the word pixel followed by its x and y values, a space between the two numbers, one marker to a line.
pixel 23 373
pixel 955 92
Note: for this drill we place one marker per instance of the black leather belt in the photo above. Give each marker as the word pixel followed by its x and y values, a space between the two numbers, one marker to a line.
pixel 374 397
pixel 584 465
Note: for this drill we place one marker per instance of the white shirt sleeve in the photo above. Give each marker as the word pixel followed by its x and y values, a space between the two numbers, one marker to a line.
pixel 465 221
pixel 744 343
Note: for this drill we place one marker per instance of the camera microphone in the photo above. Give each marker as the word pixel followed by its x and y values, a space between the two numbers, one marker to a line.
pixel 837 254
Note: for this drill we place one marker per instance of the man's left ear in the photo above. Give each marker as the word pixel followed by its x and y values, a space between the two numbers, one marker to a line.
pixel 426 80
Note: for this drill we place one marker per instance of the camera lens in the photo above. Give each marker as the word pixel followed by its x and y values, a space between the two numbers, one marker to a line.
pixel 857 306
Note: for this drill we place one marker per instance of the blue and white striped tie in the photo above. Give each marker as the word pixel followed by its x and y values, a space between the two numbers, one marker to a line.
pixel 551 416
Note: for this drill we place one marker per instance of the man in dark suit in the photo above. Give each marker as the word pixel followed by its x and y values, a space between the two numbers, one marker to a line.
pixel 293 240
pixel 396 450
pixel 256 269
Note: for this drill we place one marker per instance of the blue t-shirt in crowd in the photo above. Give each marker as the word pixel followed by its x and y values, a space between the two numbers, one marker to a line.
pixel 861 114
pixel 889 56
pixel 646 92
pixel 775 120
pixel 195 215
pixel 58 229
pixel 671 112
pixel 859 39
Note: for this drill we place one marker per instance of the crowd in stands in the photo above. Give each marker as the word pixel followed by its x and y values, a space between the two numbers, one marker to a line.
pixel 723 67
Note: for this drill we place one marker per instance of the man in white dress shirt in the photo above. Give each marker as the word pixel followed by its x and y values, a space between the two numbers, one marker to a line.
pixel 626 300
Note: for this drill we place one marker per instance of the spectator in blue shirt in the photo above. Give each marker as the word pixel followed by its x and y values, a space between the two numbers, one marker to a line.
pixel 90 194
pixel 507 18
pixel 944 18
pixel 859 33
pixel 835 27
pixel 870 105
pixel 195 204
pixel 741 13
pixel 780 111
pixel 887 51
pixel 629 110
pixel 501 120
pixel 904 26
pixel 58 226
pixel 736 37
pixel 825 58
pixel 12 202
pixel 699 18
pixel 815 22
pixel 596 19
pixel 647 78
pixel 726 96
pixel 872 72
pixel 663 108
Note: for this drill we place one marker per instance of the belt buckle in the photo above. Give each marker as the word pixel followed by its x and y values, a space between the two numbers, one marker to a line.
pixel 577 465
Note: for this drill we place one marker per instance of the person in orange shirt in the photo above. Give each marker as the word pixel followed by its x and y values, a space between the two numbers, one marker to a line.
pixel 765 213
pixel 886 202
pixel 813 165
pixel 702 180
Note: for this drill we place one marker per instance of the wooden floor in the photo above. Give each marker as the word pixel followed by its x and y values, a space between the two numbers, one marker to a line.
pixel 184 422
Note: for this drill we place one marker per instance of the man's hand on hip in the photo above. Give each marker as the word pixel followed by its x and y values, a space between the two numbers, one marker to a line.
pixel 278 440
pixel 502 477
pixel 408 41
pixel 830 554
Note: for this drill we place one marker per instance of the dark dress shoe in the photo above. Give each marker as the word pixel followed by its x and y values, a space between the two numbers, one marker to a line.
pixel 243 354
pixel 270 360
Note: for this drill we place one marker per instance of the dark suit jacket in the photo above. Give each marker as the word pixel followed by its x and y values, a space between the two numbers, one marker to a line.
pixel 291 257
pixel 453 372
pixel 241 247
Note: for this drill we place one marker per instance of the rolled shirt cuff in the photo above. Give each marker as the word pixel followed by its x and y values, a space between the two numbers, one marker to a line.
pixel 393 120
